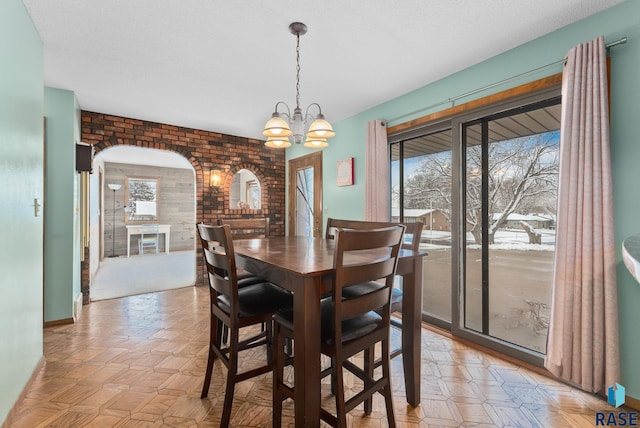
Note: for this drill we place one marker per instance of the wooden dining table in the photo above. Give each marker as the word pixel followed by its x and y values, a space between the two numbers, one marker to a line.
pixel 304 266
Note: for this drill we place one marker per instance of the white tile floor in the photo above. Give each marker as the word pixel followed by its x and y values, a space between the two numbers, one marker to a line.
pixel 128 276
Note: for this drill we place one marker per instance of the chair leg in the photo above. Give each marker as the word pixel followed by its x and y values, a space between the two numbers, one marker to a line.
pixel 278 375
pixel 270 342
pixel 341 411
pixel 369 365
pixel 334 382
pixel 386 372
pixel 213 336
pixel 231 379
pixel 207 376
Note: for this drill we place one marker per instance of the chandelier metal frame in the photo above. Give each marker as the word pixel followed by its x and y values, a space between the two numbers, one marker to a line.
pixel 283 127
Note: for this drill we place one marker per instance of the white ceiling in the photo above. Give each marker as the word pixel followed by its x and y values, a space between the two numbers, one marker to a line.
pixel 222 65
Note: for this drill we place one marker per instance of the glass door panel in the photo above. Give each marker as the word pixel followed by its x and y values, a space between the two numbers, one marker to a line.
pixel 511 175
pixel 304 202
pixel 305 195
pixel 421 191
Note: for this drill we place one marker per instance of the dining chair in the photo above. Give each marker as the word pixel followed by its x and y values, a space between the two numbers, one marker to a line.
pixel 235 308
pixel 411 241
pixel 350 325
pixel 148 238
pixel 246 228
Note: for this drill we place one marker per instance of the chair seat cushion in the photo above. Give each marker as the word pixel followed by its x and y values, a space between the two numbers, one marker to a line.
pixel 247 278
pixel 367 287
pixel 258 299
pixel 352 328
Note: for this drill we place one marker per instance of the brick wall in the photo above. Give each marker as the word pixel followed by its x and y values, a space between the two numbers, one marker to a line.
pixel 205 150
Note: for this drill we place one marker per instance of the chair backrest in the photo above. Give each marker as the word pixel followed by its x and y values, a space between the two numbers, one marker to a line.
pixel 247 228
pixel 364 256
pixel 219 257
pixel 412 234
pixel 149 229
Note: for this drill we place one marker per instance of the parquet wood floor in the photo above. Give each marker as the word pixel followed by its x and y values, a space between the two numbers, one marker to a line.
pixel 139 362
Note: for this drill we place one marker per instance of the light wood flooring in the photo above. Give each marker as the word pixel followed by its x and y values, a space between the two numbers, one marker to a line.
pixel 139 362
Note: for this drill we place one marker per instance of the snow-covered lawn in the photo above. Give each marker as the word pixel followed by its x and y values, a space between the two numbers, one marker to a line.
pixel 520 284
pixel 505 239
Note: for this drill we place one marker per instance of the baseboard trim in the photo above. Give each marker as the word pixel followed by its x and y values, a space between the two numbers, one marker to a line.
pixel 55 323
pixel 8 422
pixel 632 403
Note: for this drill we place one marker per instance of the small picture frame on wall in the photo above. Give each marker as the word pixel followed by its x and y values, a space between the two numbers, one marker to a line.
pixel 345 172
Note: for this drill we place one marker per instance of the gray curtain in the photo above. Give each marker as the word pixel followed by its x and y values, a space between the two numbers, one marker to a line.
pixel 376 192
pixel 582 343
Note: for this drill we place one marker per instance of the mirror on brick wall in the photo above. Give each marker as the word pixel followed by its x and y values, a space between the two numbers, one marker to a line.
pixel 245 191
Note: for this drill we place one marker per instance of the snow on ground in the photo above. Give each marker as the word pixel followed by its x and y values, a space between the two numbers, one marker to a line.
pixel 505 239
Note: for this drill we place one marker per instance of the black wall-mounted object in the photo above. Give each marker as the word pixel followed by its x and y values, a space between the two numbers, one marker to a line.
pixel 84 158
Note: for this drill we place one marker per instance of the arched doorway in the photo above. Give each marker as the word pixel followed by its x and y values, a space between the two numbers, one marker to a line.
pixel 137 186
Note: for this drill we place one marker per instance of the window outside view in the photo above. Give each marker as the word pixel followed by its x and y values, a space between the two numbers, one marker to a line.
pixel 522 196
pixel 425 166
pixel 519 204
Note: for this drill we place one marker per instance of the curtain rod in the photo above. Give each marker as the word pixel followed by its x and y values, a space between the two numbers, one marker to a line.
pixel 621 41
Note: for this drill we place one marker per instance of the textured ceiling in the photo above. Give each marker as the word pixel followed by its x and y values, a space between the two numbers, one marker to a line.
pixel 222 65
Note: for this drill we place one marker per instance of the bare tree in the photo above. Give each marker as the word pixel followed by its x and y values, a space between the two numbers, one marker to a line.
pixel 522 175
pixel 430 186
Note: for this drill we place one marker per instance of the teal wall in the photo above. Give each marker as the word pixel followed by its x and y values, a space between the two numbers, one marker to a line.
pixel 62 237
pixel 21 163
pixel 614 23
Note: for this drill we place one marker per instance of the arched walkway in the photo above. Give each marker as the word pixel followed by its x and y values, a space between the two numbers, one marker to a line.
pixel 173 177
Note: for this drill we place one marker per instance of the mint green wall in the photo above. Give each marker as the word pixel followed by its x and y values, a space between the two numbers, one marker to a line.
pixel 345 201
pixel 21 163
pixel 617 22
pixel 62 251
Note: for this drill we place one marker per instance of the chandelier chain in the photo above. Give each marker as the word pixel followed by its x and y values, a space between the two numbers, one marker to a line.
pixel 298 70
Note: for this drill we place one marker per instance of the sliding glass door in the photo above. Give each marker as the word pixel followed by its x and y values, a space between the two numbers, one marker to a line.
pixel 485 186
pixel 510 179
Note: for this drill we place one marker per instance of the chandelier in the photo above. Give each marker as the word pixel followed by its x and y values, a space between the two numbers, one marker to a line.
pixel 283 127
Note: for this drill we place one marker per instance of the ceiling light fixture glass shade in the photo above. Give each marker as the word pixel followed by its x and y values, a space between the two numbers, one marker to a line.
pixel 283 126
pixel 316 143
pixel 278 142
pixel 320 128
pixel 276 127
